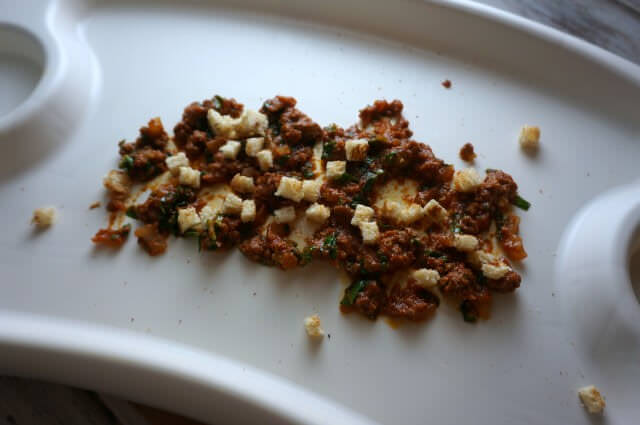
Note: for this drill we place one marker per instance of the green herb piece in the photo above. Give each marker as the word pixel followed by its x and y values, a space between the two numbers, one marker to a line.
pixel 327 148
pixel 346 178
pixel 307 255
pixel 499 218
pixel 455 223
pixel 307 170
pixel 126 163
pixel 521 203
pixel 217 102
pixel 352 291
pixel 468 312
pixel 331 128
pixel 436 254
pixel 282 160
pixel 329 245
pixel 131 212
pixel 390 158
pixel 191 233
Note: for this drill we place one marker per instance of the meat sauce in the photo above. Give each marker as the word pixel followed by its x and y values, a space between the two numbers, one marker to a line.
pixel 392 155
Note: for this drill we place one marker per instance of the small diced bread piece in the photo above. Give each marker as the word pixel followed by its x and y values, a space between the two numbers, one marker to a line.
pixel 356 150
pixel 242 184
pixel 495 272
pixel 465 243
pixel 248 212
pixel 427 278
pixel 436 212
pixel 253 145
pixel 335 169
pixel 369 231
pixel 189 177
pixel 252 123
pixel 222 125
pixel 230 149
pixel 265 159
pixel 313 327
pixel 392 210
pixel 478 258
pixel 117 182
pixel 174 162
pixel 290 188
pixel 187 218
pixel 592 399
pixel 362 214
pixel 207 214
pixel 232 204
pixel 285 215
pixel 411 214
pixel 466 180
pixel 318 213
pixel 44 216
pixel 311 190
pixel 529 138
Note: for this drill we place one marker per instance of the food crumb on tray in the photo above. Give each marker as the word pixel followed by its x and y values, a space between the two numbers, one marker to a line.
pixel 529 138
pixel 467 153
pixel 95 205
pixel 44 217
pixel 592 399
pixel 313 326
pixel 446 84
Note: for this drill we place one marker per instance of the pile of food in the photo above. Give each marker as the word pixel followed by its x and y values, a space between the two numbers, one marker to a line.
pixel 405 226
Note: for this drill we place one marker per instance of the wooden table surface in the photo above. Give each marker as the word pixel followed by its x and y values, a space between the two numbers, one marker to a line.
pixel 611 24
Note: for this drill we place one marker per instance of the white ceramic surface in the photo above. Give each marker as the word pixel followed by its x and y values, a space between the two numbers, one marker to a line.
pixel 109 67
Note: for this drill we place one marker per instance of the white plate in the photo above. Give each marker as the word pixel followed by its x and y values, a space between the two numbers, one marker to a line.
pixel 161 330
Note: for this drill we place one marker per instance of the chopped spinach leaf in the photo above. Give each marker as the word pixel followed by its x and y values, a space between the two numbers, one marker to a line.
pixel 521 203
pixel 352 291
pixel 126 163
pixel 132 212
pixel 327 148
pixel 329 245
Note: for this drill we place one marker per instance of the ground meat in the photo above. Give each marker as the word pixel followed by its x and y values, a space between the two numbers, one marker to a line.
pixel 461 282
pixel 509 283
pixel 296 127
pixel 410 302
pixel 161 207
pixel 151 239
pixel 467 153
pixel 446 84
pixel 271 249
pixel 395 246
pixel 153 136
pixel 370 300
pixel 380 109
pixel 112 238
pixel 144 164
pixel 498 188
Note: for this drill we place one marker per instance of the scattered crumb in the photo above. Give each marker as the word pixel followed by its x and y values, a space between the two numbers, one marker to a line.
pixel 329 336
pixel 180 321
pixel 95 205
pixel 188 261
pixel 529 138
pixel 132 320
pixel 592 399
pixel 446 84
pixel 254 294
pixel 312 326
pixel 467 153
pixel 44 216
